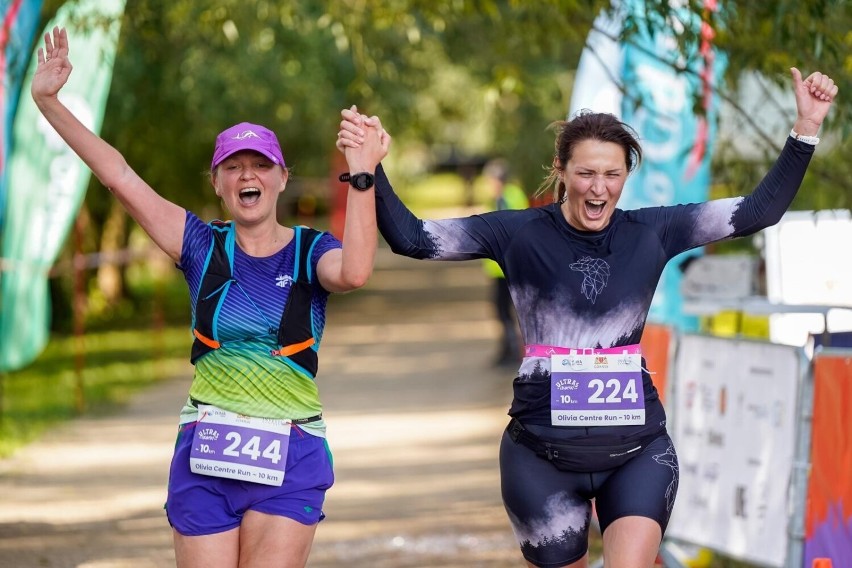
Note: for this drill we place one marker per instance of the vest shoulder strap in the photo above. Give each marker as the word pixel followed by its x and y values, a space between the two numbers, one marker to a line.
pixel 216 278
pixel 307 239
pixel 296 336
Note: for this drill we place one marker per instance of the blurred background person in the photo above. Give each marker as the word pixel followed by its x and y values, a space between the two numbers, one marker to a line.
pixel 503 194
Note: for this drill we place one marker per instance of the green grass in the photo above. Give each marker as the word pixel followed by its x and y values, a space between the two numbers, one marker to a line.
pixel 115 365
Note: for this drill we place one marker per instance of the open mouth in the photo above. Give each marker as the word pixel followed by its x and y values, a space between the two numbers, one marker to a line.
pixel 249 195
pixel 595 207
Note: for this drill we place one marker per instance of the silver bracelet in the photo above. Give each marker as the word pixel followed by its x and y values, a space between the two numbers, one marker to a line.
pixel 812 140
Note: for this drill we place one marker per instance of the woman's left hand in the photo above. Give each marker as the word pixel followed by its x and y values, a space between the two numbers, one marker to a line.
pixel 814 96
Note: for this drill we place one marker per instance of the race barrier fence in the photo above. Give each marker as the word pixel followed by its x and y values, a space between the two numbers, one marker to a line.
pixel 764 443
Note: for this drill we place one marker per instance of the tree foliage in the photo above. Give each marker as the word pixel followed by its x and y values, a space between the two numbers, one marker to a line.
pixel 448 77
pixel 478 76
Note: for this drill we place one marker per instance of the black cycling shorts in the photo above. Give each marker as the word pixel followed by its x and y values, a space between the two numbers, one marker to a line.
pixel 550 510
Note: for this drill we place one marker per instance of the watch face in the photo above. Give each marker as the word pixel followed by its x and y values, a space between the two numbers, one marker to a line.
pixel 362 181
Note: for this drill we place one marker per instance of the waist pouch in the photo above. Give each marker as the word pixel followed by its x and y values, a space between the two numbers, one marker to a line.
pixel 587 457
pixel 195 402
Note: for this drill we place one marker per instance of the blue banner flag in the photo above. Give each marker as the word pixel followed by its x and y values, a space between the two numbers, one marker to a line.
pixel 20 21
pixel 47 181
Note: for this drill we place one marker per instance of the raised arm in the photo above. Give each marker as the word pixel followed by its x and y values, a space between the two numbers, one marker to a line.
pixel 465 238
pixel 766 205
pixel 346 269
pixel 160 218
pixel 688 226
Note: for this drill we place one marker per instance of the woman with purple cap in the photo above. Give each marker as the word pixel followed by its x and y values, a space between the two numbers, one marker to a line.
pixel 251 465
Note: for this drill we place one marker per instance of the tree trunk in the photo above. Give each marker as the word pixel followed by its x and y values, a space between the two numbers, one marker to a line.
pixel 113 238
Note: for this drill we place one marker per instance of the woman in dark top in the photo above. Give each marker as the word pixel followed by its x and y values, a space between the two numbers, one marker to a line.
pixel 587 422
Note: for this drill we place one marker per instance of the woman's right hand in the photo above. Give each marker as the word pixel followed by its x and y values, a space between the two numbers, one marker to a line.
pixel 353 128
pixel 362 139
pixel 53 67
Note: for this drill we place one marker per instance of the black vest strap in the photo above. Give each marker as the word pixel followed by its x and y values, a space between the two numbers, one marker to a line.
pixel 296 330
pixel 214 282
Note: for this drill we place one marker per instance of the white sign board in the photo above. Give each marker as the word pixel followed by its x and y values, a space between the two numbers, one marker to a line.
pixel 734 412
pixel 807 263
pixel 719 277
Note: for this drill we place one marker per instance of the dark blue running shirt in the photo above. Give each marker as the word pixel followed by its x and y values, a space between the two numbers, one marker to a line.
pixel 587 289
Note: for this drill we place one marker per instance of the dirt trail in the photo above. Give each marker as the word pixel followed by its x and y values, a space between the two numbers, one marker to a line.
pixel 415 415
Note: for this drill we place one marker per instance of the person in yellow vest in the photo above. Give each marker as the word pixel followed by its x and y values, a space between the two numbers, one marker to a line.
pixel 504 195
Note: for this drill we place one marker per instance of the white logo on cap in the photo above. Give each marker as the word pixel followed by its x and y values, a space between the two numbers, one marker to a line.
pixel 245 134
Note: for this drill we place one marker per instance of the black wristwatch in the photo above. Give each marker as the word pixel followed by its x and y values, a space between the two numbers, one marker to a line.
pixel 361 181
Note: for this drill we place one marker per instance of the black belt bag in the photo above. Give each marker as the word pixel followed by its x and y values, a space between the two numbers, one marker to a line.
pixel 579 458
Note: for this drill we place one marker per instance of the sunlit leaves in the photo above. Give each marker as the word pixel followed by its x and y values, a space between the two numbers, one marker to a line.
pixel 481 76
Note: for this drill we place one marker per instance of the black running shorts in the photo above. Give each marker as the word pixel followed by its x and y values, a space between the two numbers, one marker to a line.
pixel 550 510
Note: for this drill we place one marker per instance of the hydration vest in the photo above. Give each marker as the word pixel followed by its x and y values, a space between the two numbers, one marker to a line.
pixel 296 339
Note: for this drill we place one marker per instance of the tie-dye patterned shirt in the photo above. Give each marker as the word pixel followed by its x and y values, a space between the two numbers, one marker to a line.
pixel 587 289
pixel 242 376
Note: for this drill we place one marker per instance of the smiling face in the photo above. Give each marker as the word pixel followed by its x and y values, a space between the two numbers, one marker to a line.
pixel 249 184
pixel 594 177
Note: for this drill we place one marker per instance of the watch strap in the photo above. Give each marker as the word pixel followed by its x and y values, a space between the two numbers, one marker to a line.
pixel 351 178
pixel 812 140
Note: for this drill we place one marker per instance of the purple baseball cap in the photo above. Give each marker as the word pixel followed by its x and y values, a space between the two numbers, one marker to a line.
pixel 247 136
